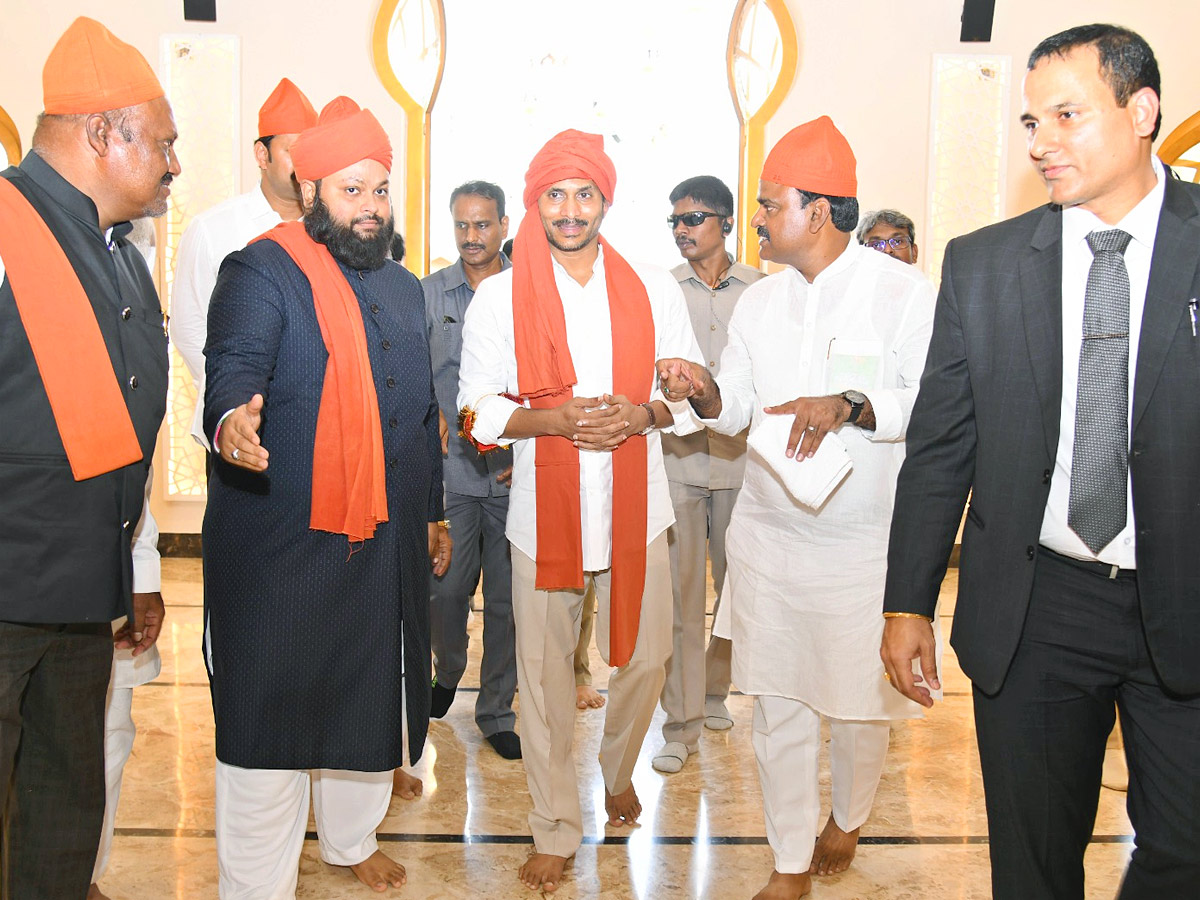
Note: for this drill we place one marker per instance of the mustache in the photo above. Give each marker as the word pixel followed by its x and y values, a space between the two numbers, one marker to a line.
pixel 470 246
pixel 369 217
pixel 579 223
pixel 167 179
pixel 763 233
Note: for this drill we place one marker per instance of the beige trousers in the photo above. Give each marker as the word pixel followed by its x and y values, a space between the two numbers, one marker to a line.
pixel 547 624
pixel 583 667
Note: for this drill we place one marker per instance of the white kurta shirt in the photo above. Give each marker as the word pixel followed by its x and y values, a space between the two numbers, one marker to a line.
pixel 805 586
pixel 489 368
pixel 211 236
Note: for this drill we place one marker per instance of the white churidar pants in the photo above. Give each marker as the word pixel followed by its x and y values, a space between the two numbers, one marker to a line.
pixel 262 816
pixel 787 744
pixel 119 732
pixel 547 625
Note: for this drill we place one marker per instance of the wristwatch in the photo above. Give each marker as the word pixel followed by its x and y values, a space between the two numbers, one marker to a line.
pixel 857 401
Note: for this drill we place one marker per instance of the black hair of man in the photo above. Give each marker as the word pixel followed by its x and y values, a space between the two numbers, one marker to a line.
pixel 707 190
pixel 507 249
pixel 1126 60
pixel 843 210
pixel 484 189
pixel 398 247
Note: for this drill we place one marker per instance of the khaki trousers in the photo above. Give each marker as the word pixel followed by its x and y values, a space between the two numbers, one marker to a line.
pixel 547 624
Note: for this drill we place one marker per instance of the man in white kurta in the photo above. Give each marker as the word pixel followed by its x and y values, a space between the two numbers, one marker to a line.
pixel 569 277
pixel 836 343
pixel 215 233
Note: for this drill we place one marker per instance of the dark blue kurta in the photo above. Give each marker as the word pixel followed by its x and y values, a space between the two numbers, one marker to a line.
pixel 306 638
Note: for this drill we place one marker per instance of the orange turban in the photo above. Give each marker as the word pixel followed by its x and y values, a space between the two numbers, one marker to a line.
pixel 344 134
pixel 813 157
pixel 287 111
pixel 570 154
pixel 90 70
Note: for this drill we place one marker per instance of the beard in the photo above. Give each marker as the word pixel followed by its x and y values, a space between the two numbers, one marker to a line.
pixel 346 246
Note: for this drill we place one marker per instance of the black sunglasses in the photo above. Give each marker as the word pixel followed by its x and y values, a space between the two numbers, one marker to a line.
pixel 691 219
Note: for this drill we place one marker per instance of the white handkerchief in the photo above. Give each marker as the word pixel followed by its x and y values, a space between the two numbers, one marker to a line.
pixel 811 481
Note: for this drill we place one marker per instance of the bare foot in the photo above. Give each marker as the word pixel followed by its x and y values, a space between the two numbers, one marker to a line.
pixel 587 697
pixel 835 849
pixel 785 887
pixel 405 786
pixel 622 808
pixel 94 893
pixel 379 872
pixel 543 872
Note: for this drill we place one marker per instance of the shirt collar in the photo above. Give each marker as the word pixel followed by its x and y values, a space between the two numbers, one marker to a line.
pixel 1140 223
pixel 684 272
pixel 456 273
pixel 843 262
pixel 78 204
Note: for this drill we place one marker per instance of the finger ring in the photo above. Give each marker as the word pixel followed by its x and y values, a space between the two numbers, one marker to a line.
pixel 811 428
pixel 234 453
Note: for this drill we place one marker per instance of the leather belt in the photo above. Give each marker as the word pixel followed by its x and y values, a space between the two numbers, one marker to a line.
pixel 1095 567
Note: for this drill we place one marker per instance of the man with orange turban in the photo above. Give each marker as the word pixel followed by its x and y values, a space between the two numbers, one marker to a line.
pixel 324 513
pixel 215 233
pixel 83 364
pixel 572 331
pixel 825 355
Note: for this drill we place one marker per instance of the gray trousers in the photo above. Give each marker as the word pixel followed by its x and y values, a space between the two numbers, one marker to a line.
pixel 477 527
pixel 695 673
pixel 53 681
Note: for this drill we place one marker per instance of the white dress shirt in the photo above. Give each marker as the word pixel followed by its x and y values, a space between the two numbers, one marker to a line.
pixel 1141 223
pixel 211 236
pixel 489 367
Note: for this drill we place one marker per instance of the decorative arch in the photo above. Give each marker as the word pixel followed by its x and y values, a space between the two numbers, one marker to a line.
pixel 10 138
pixel 762 59
pixel 408 45
pixel 1181 148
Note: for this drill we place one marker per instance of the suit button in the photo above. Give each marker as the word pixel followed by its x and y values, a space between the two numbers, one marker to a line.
pixel 392 463
pixel 392 423
pixel 391 382
pixel 1046 477
pixel 126 313
pixel 1030 552
pixel 387 345
pixel 374 307
pixel 133 382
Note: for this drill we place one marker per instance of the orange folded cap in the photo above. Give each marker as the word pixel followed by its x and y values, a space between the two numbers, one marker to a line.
pixel 814 157
pixel 91 70
pixel 344 134
pixel 286 111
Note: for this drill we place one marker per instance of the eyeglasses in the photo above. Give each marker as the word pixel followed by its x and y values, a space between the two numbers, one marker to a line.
pixel 896 243
pixel 692 219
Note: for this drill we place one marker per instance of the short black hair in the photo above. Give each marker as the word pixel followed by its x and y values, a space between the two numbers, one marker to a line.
pixel 843 210
pixel 1126 60
pixel 398 247
pixel 706 189
pixel 484 189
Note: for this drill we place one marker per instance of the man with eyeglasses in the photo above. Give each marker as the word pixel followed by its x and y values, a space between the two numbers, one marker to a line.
pixel 704 473
pixel 890 231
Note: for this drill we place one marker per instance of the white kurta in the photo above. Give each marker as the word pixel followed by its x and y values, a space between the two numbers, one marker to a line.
pixel 805 587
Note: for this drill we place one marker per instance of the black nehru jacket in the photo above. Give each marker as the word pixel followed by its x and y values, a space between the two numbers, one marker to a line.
pixel 65 544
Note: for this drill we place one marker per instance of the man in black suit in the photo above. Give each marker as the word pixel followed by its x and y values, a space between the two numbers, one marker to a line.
pixel 1061 392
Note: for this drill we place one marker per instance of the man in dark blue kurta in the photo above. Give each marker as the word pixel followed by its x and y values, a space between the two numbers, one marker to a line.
pixel 321 523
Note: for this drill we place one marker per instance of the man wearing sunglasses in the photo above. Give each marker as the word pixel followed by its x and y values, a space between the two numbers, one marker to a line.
pixel 890 231
pixel 704 472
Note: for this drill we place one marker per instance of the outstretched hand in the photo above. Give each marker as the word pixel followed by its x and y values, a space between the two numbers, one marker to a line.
pixel 238 443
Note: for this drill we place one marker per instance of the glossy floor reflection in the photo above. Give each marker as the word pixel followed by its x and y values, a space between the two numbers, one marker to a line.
pixel 702 832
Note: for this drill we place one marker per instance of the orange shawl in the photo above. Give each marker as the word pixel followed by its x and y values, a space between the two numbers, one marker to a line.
pixel 349 493
pixel 85 396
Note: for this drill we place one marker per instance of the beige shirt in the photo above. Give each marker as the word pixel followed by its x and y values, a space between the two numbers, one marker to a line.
pixel 707 458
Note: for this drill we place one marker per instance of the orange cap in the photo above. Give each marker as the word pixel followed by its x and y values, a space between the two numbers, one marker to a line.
pixel 570 154
pixel 344 134
pixel 813 157
pixel 91 70
pixel 286 111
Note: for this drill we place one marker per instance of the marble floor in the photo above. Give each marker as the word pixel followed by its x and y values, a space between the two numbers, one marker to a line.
pixel 702 833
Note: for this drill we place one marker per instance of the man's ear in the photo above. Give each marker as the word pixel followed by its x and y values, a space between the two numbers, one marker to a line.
pixel 99 133
pixel 819 213
pixel 262 154
pixel 308 193
pixel 504 228
pixel 913 248
pixel 1143 107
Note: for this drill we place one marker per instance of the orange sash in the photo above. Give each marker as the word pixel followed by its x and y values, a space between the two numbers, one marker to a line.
pixel 545 375
pixel 72 358
pixel 349 493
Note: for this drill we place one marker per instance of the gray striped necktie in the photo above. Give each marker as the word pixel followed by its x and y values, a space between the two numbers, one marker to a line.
pixel 1100 462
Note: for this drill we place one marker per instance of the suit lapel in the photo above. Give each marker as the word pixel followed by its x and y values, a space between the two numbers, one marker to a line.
pixel 1041 313
pixel 1172 276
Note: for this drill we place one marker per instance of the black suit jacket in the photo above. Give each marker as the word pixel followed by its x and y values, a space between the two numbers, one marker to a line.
pixel 986 421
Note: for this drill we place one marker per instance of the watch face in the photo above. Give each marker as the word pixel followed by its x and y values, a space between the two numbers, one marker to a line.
pixel 855 397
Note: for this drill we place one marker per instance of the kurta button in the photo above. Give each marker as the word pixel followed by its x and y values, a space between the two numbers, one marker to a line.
pixel 392 463
pixel 1030 552
pixel 1046 477
pixel 391 382
pixel 392 423
pixel 133 381
pixel 712 327
pixel 387 345
pixel 711 363
pixel 125 524
pixel 374 307
pixel 126 313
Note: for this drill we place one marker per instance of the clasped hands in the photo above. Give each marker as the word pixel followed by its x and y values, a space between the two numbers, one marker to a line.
pixel 812 417
pixel 601 423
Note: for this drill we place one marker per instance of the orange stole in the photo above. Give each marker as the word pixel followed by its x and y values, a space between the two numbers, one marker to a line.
pixel 72 358
pixel 349 492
